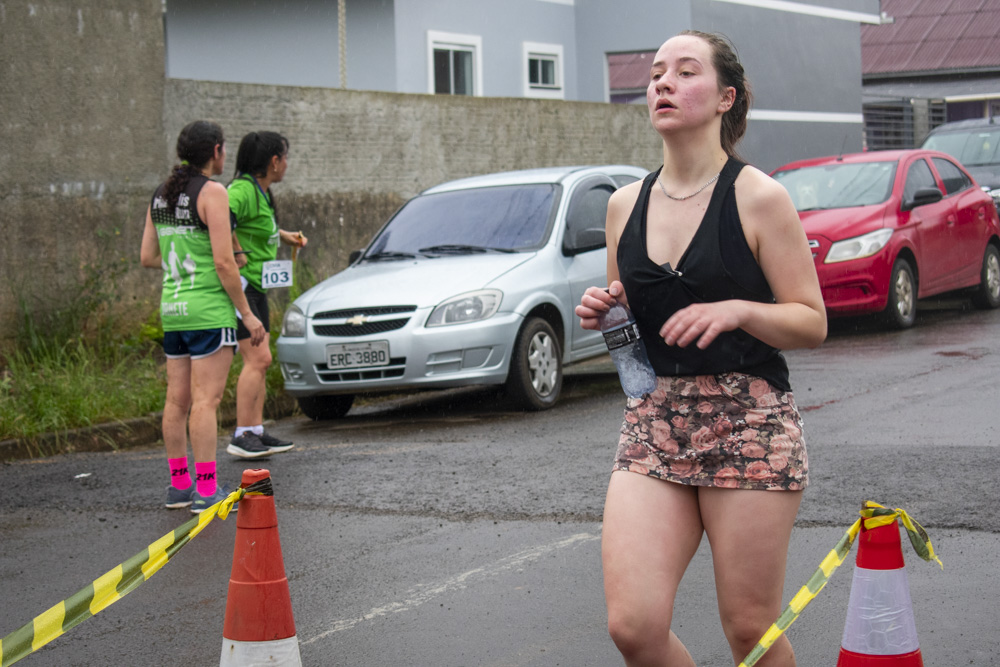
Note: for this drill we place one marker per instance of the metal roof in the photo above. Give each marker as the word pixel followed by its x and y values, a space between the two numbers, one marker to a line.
pixel 933 35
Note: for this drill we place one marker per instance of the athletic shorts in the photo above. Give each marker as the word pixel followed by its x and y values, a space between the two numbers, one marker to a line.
pixel 197 344
pixel 259 307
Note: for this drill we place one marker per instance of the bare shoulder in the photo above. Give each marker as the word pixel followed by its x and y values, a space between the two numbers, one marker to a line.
pixel 626 195
pixel 213 189
pixel 763 202
pixel 755 190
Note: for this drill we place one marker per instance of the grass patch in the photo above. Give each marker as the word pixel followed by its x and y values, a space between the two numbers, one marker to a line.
pixel 58 388
pixel 49 388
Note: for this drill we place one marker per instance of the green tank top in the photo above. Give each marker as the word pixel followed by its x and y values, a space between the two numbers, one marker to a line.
pixel 256 226
pixel 193 297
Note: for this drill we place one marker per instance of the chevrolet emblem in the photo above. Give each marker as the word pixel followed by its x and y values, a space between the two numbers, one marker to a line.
pixel 357 320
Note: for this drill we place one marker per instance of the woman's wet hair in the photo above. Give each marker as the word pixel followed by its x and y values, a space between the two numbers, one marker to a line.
pixel 195 148
pixel 256 151
pixel 730 73
pixel 254 157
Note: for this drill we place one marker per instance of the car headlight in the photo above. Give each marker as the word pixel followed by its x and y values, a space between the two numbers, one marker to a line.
pixel 294 324
pixel 858 247
pixel 465 308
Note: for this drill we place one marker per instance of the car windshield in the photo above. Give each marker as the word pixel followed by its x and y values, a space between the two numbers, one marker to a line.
pixel 970 147
pixel 838 185
pixel 503 218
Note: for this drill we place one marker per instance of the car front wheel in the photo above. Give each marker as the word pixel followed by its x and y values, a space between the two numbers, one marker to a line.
pixel 988 293
pixel 325 407
pixel 534 381
pixel 901 311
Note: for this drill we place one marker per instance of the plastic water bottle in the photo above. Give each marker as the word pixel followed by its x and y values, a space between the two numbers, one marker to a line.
pixel 621 335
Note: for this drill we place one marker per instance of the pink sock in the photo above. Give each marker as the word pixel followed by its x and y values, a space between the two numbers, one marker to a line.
pixel 179 475
pixel 205 478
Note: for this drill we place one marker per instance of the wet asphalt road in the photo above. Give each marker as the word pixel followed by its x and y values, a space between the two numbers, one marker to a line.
pixel 442 529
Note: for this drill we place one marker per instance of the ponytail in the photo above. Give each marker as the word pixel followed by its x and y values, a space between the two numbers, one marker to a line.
pixel 195 148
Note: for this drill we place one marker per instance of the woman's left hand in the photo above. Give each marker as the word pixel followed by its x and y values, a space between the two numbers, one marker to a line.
pixel 296 239
pixel 702 322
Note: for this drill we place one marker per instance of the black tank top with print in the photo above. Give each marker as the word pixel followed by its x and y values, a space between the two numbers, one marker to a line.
pixel 716 266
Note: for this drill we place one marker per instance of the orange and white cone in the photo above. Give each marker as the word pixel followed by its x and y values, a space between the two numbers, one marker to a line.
pixel 880 630
pixel 259 628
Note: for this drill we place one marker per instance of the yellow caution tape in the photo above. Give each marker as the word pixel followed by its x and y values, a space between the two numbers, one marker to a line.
pixel 116 583
pixel 873 515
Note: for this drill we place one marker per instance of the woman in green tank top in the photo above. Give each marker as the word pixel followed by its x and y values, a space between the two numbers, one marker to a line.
pixel 261 161
pixel 187 235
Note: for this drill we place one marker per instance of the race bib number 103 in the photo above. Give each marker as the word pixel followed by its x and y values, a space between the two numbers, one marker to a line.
pixel 277 273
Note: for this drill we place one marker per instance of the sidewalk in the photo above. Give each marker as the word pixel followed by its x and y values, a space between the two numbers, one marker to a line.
pixel 125 434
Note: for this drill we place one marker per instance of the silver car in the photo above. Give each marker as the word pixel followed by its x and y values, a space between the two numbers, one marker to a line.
pixel 472 282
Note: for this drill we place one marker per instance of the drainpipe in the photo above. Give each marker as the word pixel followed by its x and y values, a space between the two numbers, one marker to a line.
pixel 342 40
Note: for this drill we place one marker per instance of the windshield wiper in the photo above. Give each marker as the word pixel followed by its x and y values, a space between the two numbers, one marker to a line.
pixel 459 248
pixel 389 255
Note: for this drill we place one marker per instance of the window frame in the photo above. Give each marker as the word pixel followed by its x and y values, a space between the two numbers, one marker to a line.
pixel 451 41
pixel 540 51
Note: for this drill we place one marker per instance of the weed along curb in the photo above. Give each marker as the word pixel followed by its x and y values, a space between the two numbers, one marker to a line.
pixel 125 434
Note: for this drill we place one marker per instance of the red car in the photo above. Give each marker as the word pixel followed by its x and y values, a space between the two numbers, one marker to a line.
pixel 889 227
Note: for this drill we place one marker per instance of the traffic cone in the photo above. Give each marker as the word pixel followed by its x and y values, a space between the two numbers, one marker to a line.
pixel 259 628
pixel 880 630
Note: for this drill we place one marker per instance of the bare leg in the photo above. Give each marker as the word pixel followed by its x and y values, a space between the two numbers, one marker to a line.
pixel 251 388
pixel 176 407
pixel 651 531
pixel 749 532
pixel 208 382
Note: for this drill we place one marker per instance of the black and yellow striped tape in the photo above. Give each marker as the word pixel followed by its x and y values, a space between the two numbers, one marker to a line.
pixel 116 583
pixel 873 515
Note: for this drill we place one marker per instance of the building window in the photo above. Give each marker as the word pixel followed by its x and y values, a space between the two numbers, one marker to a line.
pixel 543 65
pixel 454 64
pixel 628 76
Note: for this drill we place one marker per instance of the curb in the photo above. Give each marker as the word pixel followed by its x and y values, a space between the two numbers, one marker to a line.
pixel 124 434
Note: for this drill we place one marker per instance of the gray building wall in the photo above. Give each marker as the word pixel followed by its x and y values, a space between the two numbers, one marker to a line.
pixel 795 63
pixel 503 28
pixel 296 43
pixel 639 25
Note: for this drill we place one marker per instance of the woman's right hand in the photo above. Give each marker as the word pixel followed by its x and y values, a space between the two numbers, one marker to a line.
pixel 597 300
pixel 257 332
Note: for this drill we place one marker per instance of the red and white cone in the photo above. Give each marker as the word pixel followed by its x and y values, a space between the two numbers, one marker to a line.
pixel 880 630
pixel 259 628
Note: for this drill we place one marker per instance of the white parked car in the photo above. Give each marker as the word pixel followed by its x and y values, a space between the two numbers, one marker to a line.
pixel 472 282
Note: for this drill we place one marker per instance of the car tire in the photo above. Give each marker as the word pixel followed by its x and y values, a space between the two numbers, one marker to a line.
pixel 901 311
pixel 320 408
pixel 534 381
pixel 987 295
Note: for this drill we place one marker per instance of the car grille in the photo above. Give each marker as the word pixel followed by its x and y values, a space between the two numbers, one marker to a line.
pixel 395 369
pixel 359 330
pixel 376 320
pixel 350 312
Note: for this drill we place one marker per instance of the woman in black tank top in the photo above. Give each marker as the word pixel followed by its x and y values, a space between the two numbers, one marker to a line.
pixel 711 257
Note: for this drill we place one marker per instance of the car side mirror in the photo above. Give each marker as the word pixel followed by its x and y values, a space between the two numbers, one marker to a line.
pixel 922 197
pixel 353 257
pixel 584 241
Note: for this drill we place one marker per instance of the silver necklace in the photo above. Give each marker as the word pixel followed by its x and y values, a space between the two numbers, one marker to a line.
pixel 670 196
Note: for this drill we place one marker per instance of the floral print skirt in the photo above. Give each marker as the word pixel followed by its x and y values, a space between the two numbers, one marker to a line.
pixel 733 431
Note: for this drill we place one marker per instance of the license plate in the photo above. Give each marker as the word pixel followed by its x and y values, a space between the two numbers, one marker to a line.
pixel 358 355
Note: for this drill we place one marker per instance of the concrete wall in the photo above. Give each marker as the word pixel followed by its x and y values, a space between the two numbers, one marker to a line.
pixel 81 147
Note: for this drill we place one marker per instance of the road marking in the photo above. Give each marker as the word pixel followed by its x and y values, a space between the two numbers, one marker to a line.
pixel 424 593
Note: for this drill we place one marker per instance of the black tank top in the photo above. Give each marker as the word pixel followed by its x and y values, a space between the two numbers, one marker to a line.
pixel 716 266
pixel 186 211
